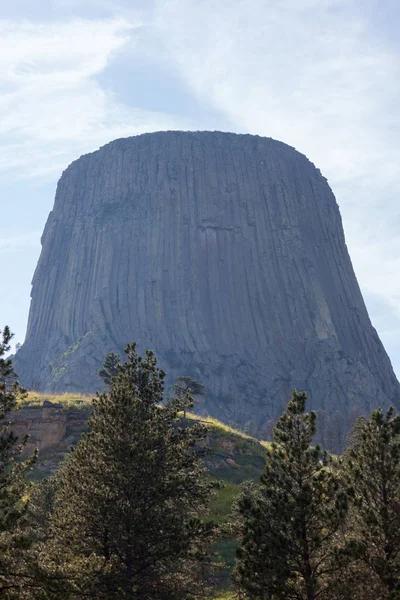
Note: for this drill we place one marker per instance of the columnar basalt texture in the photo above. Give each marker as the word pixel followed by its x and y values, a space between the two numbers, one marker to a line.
pixel 223 253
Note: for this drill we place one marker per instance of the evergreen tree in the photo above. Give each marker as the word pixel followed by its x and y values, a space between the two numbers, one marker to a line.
pixel 12 481
pixel 291 519
pixel 127 512
pixel 109 368
pixel 45 580
pixel 373 463
pixel 186 385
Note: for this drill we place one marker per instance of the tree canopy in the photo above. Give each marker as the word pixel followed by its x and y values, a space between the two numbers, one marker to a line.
pixel 128 511
pixel 292 517
pixel 13 486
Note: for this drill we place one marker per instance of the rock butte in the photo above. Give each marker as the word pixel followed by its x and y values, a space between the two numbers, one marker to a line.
pixel 223 253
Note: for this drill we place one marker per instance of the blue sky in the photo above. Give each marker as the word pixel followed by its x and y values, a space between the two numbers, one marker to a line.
pixel 320 75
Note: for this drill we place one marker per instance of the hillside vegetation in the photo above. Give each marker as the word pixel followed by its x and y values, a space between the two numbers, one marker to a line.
pixel 234 458
pixel 150 503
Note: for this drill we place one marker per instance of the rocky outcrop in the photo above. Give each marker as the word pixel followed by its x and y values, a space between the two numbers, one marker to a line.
pixel 51 428
pixel 45 425
pixel 223 253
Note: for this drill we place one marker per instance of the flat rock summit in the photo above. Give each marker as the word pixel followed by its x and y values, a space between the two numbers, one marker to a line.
pixel 224 254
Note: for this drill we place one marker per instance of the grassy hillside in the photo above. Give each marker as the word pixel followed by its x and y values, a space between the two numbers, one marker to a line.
pixel 234 458
pixel 67 401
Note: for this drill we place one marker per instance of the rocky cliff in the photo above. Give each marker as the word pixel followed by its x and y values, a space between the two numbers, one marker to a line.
pixel 223 253
pixel 45 425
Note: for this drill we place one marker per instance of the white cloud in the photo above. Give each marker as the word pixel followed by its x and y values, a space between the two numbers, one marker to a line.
pixel 53 108
pixel 31 239
pixel 307 72
pixel 319 76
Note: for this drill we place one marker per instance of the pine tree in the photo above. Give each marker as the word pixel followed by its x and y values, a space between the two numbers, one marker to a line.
pixel 12 480
pixel 109 368
pixel 127 512
pixel 290 520
pixel 373 463
pixel 185 384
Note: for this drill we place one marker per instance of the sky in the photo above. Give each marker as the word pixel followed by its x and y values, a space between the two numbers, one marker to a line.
pixel 320 75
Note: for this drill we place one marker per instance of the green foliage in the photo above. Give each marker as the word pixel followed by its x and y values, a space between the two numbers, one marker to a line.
pixel 185 383
pixel 128 512
pixel 373 464
pixel 291 519
pixel 109 368
pixel 221 511
pixel 10 390
pixel 222 502
pixel 132 513
pixel 247 452
pixel 13 543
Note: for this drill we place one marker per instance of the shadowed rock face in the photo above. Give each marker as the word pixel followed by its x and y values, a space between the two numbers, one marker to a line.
pixel 224 254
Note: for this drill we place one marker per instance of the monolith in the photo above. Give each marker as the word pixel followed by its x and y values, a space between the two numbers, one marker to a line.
pixel 223 253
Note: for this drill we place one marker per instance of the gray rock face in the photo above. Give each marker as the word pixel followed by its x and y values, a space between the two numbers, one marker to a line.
pixel 223 253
